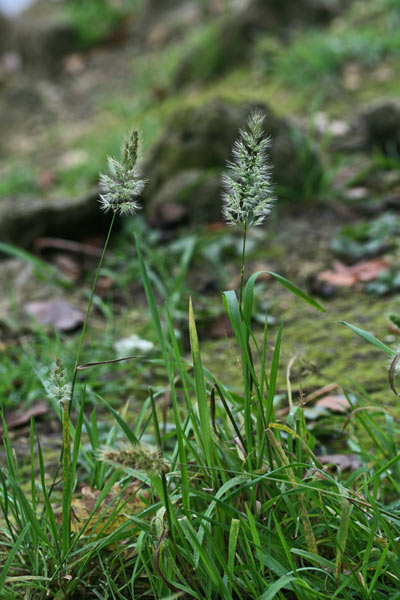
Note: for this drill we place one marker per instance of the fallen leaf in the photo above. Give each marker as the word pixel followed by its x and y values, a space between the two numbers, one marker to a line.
pixel 68 266
pixel 131 501
pixel 335 403
pixel 362 272
pixel 58 313
pixel 18 417
pixel 343 461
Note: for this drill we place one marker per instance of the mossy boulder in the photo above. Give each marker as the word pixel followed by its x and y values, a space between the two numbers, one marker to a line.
pixel 24 219
pixel 185 165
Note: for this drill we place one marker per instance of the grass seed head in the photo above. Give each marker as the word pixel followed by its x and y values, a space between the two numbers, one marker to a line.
pixel 140 457
pixel 247 196
pixel 58 388
pixel 121 185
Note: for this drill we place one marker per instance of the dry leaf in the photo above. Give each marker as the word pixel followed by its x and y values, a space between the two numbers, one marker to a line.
pixel 343 461
pixel 363 271
pixel 81 508
pixel 335 403
pixel 58 313
pixel 16 418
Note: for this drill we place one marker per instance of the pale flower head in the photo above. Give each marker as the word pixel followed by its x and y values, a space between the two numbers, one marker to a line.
pixel 248 196
pixel 57 386
pixel 140 458
pixel 121 185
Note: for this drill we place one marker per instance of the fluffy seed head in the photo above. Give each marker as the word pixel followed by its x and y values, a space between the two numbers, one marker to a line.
pixel 121 185
pixel 140 457
pixel 247 196
pixel 58 388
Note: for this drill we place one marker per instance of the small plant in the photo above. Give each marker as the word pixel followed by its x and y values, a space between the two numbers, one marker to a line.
pixel 234 503
pixel 95 20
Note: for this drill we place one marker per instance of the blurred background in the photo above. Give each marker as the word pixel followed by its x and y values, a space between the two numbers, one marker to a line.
pixel 75 76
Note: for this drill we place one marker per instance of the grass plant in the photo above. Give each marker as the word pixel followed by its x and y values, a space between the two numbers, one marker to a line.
pixel 231 502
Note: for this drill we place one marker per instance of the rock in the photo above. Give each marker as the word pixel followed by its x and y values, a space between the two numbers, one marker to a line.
pixel 382 127
pixel 22 220
pixel 377 127
pixel 184 166
pixel 22 281
pixel 43 36
pixel 56 313
pixel 286 13
pixel 181 199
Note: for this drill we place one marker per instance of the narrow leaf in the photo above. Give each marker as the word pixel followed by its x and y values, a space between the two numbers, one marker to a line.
pixel 368 337
pixel 296 291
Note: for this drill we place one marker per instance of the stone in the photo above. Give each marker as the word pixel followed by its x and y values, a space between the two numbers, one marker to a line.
pixel 181 199
pixel 381 125
pixel 22 281
pixel 42 36
pixel 185 165
pixel 24 219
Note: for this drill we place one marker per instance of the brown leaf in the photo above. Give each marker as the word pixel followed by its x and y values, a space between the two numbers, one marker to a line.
pixel 344 461
pixel 58 313
pixel 82 507
pixel 363 271
pixel 18 417
pixel 335 403
pixel 68 266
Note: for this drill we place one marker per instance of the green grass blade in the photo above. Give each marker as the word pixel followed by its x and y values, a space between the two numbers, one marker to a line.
pixel 67 482
pixel 232 544
pixel 48 509
pixel 342 533
pixel 202 402
pixel 151 302
pixel 123 425
pixel 28 513
pixel 77 436
pixel 12 554
pixel 273 377
pixel 371 339
pixel 296 291
pixel 284 582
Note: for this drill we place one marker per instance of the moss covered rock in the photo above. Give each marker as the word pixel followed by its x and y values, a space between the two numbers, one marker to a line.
pixel 382 127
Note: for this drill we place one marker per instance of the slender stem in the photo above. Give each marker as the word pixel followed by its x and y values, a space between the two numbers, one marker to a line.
pixel 242 264
pixel 78 354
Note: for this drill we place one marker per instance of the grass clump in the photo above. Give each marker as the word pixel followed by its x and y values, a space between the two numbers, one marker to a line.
pixel 231 502
pixel 96 20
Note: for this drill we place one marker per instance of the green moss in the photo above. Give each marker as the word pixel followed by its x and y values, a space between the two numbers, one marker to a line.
pixel 326 351
pixel 17 180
